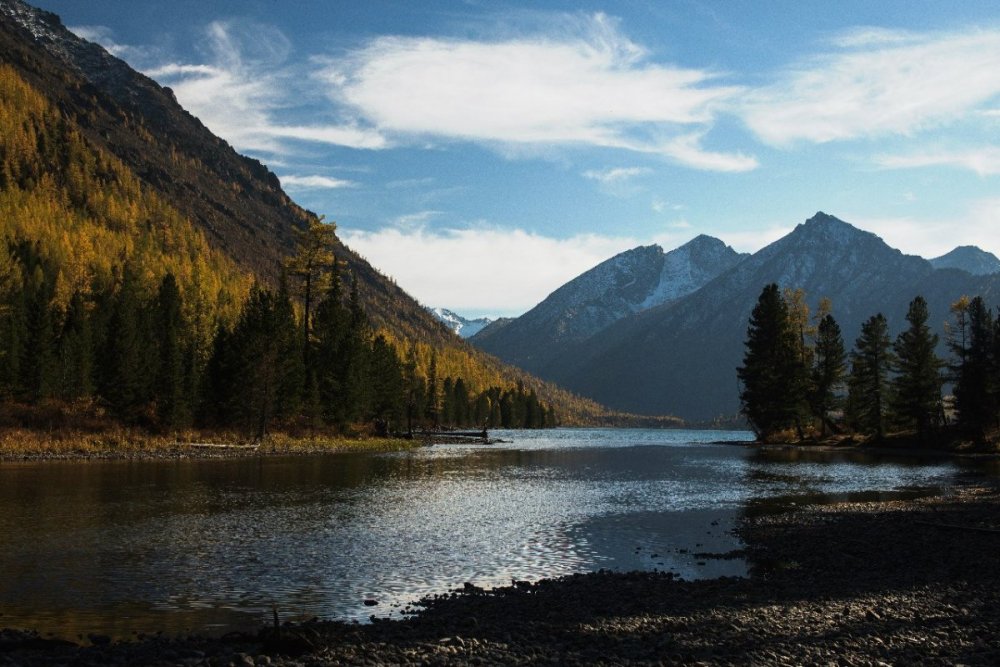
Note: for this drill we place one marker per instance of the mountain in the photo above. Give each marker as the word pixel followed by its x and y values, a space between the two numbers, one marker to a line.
pixel 462 326
pixel 681 358
pixel 628 283
pixel 99 165
pixel 968 258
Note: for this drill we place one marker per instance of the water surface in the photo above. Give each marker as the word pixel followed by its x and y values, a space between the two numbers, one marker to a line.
pixel 211 546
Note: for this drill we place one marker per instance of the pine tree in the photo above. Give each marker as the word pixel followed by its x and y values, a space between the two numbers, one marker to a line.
pixel 76 352
pixel 828 369
pixel 431 409
pixel 916 389
pixel 388 387
pixel 310 266
pixel 124 363
pixel 868 384
pixel 171 406
pixel 330 333
pixel 416 391
pixel 772 375
pixel 461 403
pixel 266 367
pixel 974 372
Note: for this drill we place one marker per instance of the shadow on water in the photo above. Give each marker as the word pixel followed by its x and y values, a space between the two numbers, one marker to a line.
pixel 212 546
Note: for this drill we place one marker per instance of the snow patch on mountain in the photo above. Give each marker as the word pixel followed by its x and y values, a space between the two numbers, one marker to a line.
pixel 462 326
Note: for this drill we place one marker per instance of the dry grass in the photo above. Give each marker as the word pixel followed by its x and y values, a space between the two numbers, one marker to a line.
pixel 118 442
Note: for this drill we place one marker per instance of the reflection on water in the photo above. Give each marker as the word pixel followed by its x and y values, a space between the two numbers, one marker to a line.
pixel 210 546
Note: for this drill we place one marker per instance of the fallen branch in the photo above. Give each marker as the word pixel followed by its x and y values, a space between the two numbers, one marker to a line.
pixel 218 446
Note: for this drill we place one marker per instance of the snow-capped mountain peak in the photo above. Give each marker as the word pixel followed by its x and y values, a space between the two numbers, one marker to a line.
pixel 462 326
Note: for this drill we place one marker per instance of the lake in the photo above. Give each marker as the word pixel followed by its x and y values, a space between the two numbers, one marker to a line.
pixel 214 545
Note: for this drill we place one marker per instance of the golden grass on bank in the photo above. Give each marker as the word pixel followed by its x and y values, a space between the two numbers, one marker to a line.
pixel 119 442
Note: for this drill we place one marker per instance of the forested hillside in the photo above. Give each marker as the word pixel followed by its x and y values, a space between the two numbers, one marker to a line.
pixel 105 182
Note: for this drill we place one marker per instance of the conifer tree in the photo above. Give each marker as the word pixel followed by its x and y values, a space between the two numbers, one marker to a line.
pixel 975 370
pixel 416 391
pixel 772 374
pixel 828 369
pixel 265 361
pixel 431 409
pixel 310 266
pixel 76 352
pixel 868 384
pixel 916 388
pixel 124 362
pixel 38 364
pixel 330 333
pixel 171 406
pixel 387 386
pixel 461 403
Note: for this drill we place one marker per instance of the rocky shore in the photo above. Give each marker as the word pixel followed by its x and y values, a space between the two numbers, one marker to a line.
pixel 874 583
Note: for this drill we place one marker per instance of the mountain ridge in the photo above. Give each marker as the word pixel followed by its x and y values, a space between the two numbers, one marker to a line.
pixel 630 282
pixel 971 259
pixel 680 357
pixel 462 326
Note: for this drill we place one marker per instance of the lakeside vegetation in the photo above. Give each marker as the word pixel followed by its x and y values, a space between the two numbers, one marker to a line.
pixel 798 383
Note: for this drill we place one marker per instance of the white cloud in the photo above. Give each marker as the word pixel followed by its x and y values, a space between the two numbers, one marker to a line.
pixel 245 87
pixel 984 161
pixel 409 221
pixel 105 36
pixel 880 83
pixel 591 89
pixel 933 238
pixel 500 270
pixel 314 182
pixel 615 175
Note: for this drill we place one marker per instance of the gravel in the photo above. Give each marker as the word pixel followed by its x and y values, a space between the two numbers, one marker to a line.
pixel 914 582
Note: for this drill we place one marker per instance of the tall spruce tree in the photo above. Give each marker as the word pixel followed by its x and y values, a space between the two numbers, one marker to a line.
pixel 916 388
pixel 387 387
pixel 310 266
pixel 868 384
pixel 76 351
pixel 266 364
pixel 974 371
pixel 771 376
pixel 124 363
pixel 828 370
pixel 171 404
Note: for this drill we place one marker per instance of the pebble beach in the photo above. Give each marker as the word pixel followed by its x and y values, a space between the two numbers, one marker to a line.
pixel 893 582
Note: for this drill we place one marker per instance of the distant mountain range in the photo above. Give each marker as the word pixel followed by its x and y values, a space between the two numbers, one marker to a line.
pixel 968 258
pixel 631 282
pixel 462 326
pixel 679 357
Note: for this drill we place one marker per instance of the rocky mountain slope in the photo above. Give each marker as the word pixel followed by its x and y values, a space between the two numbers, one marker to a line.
pixel 628 283
pixel 970 259
pixel 235 200
pixel 680 358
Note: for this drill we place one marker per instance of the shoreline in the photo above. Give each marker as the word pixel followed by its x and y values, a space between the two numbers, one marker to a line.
pixel 899 581
pixel 27 445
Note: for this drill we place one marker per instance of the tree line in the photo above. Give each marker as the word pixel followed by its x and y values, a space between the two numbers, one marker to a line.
pixel 302 355
pixel 797 375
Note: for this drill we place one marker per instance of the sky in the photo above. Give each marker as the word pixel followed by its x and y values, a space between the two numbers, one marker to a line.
pixel 484 153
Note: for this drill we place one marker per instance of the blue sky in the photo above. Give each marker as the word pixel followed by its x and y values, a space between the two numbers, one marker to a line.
pixel 483 153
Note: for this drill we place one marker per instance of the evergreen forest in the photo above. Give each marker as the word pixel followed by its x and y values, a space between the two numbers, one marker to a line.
pixel 799 381
pixel 114 307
